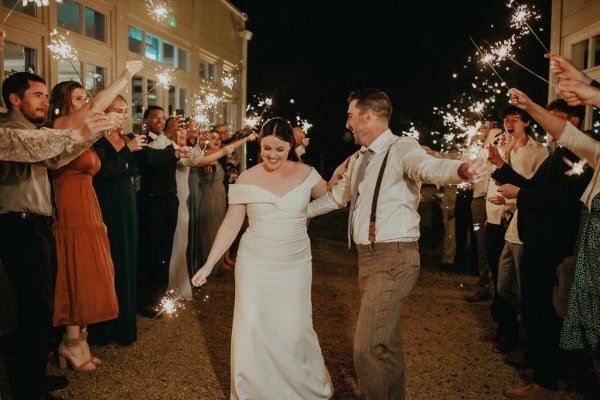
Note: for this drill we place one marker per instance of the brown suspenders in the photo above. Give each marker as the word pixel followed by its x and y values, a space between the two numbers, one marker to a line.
pixel 376 197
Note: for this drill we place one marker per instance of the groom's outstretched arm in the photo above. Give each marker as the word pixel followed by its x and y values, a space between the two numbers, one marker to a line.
pixel 337 196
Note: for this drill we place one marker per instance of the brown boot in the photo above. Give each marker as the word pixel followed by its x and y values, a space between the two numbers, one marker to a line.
pixel 531 392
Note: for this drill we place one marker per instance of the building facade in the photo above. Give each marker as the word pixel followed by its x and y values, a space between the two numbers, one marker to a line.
pixel 202 40
pixel 575 33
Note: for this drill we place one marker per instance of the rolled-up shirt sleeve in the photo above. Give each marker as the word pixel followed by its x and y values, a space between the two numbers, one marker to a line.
pixel 34 145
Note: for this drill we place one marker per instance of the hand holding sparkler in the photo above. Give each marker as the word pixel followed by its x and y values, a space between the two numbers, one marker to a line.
pixel 579 93
pixel 563 67
pixel 137 143
pixel 494 156
pixel 509 191
pixel 519 99
pixel 473 171
pixel 132 68
pixel 201 276
pixel 183 152
pixel 95 122
pixel 497 200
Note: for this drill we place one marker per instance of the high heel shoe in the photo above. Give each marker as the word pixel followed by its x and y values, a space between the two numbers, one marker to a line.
pixel 65 359
pixel 83 335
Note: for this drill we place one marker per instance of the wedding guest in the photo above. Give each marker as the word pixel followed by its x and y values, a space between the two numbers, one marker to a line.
pixel 28 248
pixel 85 291
pixel 548 223
pixel 114 189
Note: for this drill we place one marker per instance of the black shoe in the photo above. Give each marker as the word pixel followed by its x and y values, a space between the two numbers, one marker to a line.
pixel 56 382
pixel 48 396
pixel 148 312
pixel 479 296
pixel 504 346
pixel 517 359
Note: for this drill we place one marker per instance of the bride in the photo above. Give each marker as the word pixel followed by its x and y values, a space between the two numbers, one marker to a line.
pixel 275 352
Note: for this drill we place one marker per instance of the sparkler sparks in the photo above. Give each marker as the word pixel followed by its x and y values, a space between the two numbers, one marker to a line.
pixel 577 168
pixel 228 81
pixel 165 77
pixel 61 49
pixel 170 304
pixel 157 10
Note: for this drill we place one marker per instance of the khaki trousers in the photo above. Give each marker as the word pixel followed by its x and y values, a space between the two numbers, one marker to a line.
pixel 387 272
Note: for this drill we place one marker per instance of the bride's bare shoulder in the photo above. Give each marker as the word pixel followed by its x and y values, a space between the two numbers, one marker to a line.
pixel 250 175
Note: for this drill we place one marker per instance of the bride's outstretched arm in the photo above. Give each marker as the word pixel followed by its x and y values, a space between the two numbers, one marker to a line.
pixel 225 236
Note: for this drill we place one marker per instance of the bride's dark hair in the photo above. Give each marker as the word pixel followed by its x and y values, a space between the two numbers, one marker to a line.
pixel 283 130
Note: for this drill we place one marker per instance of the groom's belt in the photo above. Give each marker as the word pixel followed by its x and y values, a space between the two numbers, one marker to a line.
pixel 383 247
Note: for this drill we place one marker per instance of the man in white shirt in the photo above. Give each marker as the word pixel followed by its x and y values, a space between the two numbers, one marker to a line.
pixel 525 156
pixel 388 261
pixel 301 142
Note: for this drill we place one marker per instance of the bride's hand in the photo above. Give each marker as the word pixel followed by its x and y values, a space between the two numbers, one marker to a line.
pixel 199 278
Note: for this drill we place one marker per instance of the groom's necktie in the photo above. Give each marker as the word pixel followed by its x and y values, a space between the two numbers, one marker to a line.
pixel 359 177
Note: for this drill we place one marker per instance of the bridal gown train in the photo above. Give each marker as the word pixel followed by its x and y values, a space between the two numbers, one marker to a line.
pixel 275 353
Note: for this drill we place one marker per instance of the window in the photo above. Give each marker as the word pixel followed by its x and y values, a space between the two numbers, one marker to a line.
pixel 203 68
pixel 95 24
pixel 596 50
pixel 596 122
pixel 69 15
pixel 17 5
pixel 136 40
pixel 152 97
pixel 230 113
pixel 67 71
pixel 137 85
pixel 183 101
pixel 153 47
pixel 212 71
pixel 95 78
pixel 18 58
pixel 169 54
pixel 182 59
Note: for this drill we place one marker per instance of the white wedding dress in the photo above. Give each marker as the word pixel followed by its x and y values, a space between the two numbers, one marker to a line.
pixel 275 353
pixel 179 280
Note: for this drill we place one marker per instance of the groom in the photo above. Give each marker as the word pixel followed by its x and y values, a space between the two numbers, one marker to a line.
pixel 382 183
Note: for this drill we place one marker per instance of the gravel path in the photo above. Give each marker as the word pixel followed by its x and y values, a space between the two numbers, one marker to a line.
pixel 187 357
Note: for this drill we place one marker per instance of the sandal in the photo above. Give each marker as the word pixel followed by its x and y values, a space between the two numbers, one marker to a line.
pixel 83 337
pixel 65 359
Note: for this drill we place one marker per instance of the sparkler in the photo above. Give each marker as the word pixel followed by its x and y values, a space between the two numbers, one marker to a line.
pixel 519 21
pixel 228 81
pixel 488 61
pixel 157 10
pixel 576 167
pixel 170 304
pixel 164 77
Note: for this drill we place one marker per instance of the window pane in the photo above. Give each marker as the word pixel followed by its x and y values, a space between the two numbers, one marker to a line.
pixel 94 78
pixel 152 94
pixel 95 24
pixel 183 101
pixel 596 123
pixel 596 50
pixel 182 59
pixel 66 72
pixel 172 100
pixel 69 15
pixel 29 9
pixel 169 54
pixel 153 47
pixel 212 72
pixel 579 54
pixel 203 69
pixel 136 41
pixel 18 58
pixel 137 90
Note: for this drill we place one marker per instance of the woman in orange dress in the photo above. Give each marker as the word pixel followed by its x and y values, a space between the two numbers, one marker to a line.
pixel 85 291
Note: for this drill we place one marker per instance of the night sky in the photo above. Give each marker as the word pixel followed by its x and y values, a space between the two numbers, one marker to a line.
pixel 318 51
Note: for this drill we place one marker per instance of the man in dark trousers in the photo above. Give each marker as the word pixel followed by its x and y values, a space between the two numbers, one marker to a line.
pixel 549 210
